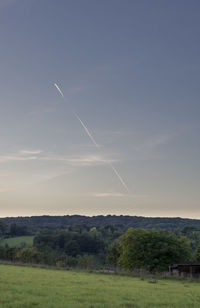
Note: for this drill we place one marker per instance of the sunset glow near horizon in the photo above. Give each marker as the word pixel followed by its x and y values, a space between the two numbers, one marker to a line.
pixel 129 72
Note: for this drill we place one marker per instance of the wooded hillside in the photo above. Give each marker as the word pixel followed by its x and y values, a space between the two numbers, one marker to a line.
pixel 126 221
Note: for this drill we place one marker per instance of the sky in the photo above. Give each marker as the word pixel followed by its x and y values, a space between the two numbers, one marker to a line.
pixel 130 70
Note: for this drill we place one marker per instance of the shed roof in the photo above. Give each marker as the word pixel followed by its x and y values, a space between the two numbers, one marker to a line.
pixel 187 263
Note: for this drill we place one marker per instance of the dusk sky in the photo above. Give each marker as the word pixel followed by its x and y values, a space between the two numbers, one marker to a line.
pixel 130 70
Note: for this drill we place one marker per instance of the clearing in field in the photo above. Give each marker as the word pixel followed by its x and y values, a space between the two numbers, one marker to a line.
pixel 36 287
pixel 17 241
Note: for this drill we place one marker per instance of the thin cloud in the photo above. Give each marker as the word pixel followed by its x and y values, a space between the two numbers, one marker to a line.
pixel 86 160
pixel 116 194
pixel 13 158
pixel 30 152
pixel 38 155
pixel 105 195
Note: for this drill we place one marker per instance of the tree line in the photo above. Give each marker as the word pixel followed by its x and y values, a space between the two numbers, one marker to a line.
pixel 13 229
pixel 54 222
pixel 105 246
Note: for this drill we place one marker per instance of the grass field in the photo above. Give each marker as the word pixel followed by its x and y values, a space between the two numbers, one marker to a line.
pixel 17 241
pixel 37 287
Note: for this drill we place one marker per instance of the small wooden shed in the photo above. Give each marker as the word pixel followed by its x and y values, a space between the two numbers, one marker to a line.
pixel 185 269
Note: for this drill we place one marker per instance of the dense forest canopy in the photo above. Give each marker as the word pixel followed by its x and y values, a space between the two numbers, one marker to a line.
pixel 55 222
pixel 126 242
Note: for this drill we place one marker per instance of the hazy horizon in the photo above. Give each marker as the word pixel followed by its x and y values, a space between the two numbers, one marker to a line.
pixel 78 214
pixel 129 71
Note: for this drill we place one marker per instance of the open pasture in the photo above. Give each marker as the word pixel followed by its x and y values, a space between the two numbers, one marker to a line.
pixel 17 241
pixel 38 287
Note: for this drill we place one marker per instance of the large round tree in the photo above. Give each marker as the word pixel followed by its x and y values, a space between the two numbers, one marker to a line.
pixel 151 250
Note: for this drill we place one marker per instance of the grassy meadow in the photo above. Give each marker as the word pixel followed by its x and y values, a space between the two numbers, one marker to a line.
pixel 17 241
pixel 38 287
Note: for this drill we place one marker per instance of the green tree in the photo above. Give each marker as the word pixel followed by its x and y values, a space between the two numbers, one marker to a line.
pixel 113 253
pixel 72 248
pixel 3 228
pixel 198 253
pixel 151 250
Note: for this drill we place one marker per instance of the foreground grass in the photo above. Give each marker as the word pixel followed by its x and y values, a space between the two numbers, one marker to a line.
pixel 17 241
pixel 37 287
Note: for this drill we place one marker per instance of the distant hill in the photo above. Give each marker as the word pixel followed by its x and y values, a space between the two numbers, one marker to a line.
pixel 54 222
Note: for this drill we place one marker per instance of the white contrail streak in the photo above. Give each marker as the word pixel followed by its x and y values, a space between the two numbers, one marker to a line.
pixel 57 87
pixel 83 125
pixel 87 131
pixel 96 144
pixel 119 176
pixel 93 140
